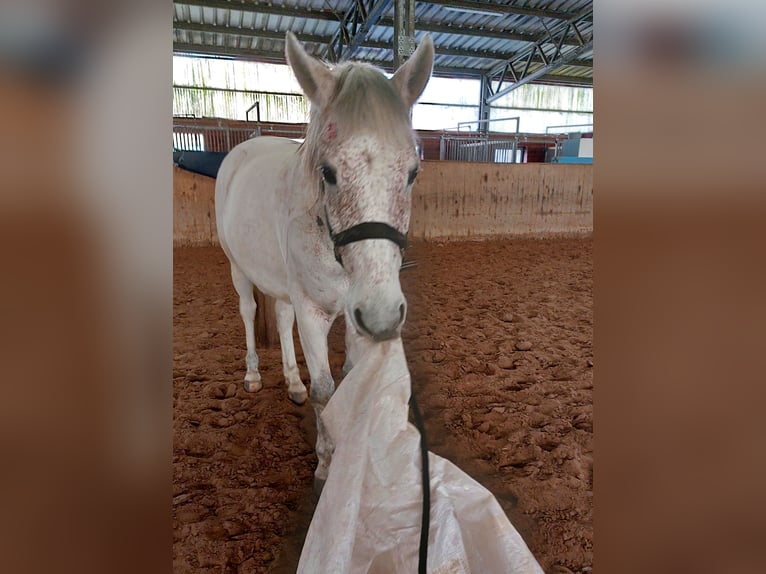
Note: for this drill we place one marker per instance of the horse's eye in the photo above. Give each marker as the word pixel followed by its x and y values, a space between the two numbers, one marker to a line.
pixel 412 176
pixel 328 174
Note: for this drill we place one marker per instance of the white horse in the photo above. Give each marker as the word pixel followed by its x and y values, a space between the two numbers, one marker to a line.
pixel 319 226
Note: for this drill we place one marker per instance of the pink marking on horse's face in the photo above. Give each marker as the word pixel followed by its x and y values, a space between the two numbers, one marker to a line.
pixel 332 131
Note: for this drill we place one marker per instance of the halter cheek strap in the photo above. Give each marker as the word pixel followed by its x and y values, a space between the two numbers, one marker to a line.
pixel 362 231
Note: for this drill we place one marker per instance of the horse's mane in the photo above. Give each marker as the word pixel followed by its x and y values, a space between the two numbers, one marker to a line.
pixel 364 102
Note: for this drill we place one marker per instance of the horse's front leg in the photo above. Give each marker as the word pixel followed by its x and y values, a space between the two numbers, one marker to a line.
pixel 313 326
pixel 285 319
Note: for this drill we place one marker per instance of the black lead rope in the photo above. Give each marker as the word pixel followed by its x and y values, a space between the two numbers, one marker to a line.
pixel 425 524
pixel 377 230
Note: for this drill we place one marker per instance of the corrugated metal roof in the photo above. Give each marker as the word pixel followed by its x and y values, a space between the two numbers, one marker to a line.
pixel 467 43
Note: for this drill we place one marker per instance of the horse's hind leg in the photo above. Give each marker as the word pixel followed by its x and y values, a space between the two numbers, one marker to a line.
pixel 247 307
pixel 285 320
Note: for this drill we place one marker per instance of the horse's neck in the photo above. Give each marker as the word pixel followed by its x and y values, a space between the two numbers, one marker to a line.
pixel 306 192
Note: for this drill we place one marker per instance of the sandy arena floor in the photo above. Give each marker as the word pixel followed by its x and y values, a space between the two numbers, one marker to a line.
pixel 518 421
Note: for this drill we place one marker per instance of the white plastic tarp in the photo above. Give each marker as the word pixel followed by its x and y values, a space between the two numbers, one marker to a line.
pixel 368 517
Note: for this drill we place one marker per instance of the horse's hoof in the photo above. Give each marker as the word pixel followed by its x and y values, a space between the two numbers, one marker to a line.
pixel 298 397
pixel 319 486
pixel 253 386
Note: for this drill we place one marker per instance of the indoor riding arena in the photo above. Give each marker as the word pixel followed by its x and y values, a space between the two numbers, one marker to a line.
pixel 498 277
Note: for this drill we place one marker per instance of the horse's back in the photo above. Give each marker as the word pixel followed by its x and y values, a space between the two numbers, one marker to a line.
pixel 258 150
pixel 250 209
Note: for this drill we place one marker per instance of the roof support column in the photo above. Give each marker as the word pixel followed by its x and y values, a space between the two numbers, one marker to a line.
pixel 484 105
pixel 404 31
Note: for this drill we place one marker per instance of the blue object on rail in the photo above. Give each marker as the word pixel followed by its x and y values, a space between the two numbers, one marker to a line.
pixel 202 162
pixel 572 159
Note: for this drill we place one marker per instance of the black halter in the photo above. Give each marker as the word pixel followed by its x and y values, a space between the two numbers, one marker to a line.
pixel 362 231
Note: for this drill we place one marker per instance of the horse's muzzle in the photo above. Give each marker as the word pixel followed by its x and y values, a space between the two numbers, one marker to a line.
pixel 380 326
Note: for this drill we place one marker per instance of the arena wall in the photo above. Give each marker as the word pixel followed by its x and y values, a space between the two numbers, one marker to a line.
pixel 193 209
pixel 456 200
pixel 451 200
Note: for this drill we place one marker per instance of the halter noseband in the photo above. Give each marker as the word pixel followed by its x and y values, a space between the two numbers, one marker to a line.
pixel 362 231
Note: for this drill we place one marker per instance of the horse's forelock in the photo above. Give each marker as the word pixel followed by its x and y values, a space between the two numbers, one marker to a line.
pixel 365 101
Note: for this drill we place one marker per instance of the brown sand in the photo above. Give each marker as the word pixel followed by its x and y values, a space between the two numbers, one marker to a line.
pixel 519 421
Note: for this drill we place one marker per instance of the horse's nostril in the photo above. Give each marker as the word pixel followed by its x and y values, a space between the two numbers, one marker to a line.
pixel 380 328
pixel 359 322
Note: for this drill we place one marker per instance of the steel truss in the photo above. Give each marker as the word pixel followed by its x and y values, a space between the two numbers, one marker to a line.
pixel 550 50
pixel 354 27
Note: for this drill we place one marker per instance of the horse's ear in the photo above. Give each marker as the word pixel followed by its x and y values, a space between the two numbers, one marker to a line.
pixel 411 78
pixel 315 78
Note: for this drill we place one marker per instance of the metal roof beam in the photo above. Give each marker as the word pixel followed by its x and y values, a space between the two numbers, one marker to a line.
pixel 469 5
pixel 356 24
pixel 477 32
pixel 330 15
pixel 316 39
pixel 553 42
pixel 327 15
pixel 483 54
pixel 561 80
pixel 539 72
pixel 277 56
pixel 246 32
pixel 257 8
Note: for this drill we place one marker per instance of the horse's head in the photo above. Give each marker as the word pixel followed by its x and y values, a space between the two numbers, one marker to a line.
pixel 360 152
